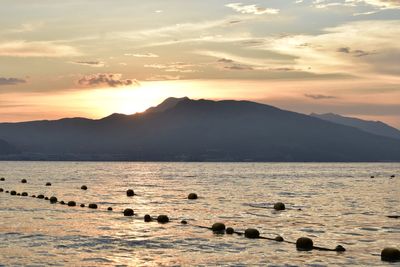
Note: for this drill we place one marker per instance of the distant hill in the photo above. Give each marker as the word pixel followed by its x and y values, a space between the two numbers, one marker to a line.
pixel 6 148
pixel 374 127
pixel 199 130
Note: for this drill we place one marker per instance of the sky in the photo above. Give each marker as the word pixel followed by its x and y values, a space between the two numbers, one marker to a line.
pixel 86 58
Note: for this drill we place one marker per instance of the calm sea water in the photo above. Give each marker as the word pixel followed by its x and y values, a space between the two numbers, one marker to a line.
pixel 340 204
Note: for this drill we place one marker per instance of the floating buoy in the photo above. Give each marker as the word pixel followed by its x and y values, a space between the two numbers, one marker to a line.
pixel 84 187
pixel 128 212
pixel 130 193
pixel 33 196
pixel 279 238
pixel 13 193
pixel 2 179
pixel 192 196
pixel 71 203
pixel 162 219
pixel 392 176
pixel 390 254
pixel 40 196
pixel 23 181
pixel 372 176
pixel 252 233
pixel 184 222
pixel 109 209
pixel 7 191
pixel 1 189
pixel 18 194
pixel 53 200
pixel 46 198
pixel 62 202
pixel 340 248
pixel 279 206
pixel 147 218
pixel 304 244
pixel 218 227
pixel 48 184
pixel 24 194
pixel 229 231
pixel 92 206
pixel 82 205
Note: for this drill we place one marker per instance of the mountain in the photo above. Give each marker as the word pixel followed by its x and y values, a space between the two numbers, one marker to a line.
pixel 199 130
pixel 374 127
pixel 6 148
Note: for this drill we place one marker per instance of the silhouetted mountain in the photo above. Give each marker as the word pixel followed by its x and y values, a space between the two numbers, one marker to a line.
pixel 202 130
pixel 6 148
pixel 375 127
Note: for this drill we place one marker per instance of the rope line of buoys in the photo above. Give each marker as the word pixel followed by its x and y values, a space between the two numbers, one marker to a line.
pixel 302 244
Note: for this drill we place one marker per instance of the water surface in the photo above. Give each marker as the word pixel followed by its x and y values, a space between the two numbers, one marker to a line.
pixel 340 204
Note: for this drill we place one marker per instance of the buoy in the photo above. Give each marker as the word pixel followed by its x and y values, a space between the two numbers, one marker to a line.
pixel 62 202
pixel 13 193
pixel 40 196
pixel 7 191
pixel 24 194
pixel 71 203
pixel 128 212
pixel 218 227
pixel 1 189
pixel 46 198
pixel 82 205
pixel 340 248
pixel 109 209
pixel 147 218
pixel 92 206
pixel 304 244
pixel 392 176
pixel 48 184
pixel 162 219
pixel 2 179
pixel 372 176
pixel 33 196
pixel 390 254
pixel 18 194
pixel 251 233
pixel 192 196
pixel 184 222
pixel 84 187
pixel 130 193
pixel 279 238
pixel 23 181
pixel 279 206
pixel 229 230
pixel 53 200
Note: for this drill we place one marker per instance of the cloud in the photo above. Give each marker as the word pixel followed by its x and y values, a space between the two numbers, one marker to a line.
pixel 36 49
pixel 164 78
pixel 94 64
pixel 174 67
pixel 106 79
pixel 252 9
pixel 375 4
pixel 142 55
pixel 225 60
pixel 355 53
pixel 328 52
pixel 11 81
pixel 319 97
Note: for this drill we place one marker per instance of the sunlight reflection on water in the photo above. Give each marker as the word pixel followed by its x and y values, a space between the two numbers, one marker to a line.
pixel 340 205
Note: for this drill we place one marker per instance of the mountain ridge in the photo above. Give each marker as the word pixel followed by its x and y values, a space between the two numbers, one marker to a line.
pixel 374 127
pixel 200 130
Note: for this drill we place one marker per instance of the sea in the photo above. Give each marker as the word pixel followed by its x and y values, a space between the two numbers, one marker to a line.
pixel 334 204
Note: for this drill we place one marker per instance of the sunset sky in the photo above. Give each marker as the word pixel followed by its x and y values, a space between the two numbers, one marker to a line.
pixel 86 58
